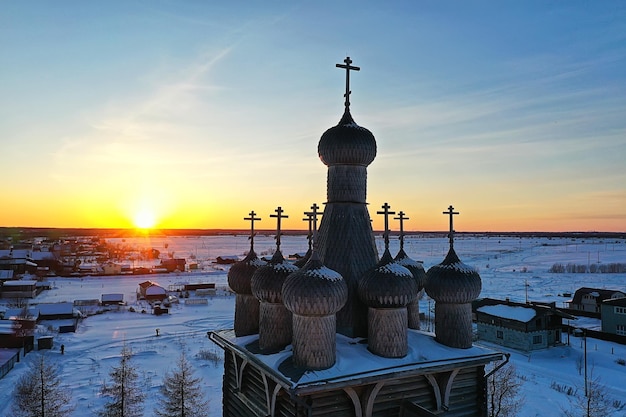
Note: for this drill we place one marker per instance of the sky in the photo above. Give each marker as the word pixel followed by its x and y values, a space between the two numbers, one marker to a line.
pixel 190 114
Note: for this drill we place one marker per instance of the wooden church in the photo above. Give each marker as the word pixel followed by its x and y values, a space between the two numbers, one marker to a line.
pixel 337 334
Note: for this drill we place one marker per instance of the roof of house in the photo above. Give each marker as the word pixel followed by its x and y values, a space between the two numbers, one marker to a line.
pixel 49 309
pixel 600 293
pixel 112 297
pixel 619 302
pixel 522 312
pixel 19 283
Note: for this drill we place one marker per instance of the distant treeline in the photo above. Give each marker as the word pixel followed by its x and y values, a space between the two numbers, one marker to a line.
pixel 57 233
pixel 612 268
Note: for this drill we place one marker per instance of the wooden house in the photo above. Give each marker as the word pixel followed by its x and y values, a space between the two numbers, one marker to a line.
pixel 19 289
pixel 519 326
pixel 112 299
pixel 614 316
pixel 175 264
pixel 590 299
pixel 17 260
pixel 151 291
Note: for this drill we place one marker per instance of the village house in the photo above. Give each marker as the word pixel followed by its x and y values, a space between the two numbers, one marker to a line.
pixel 18 260
pixel 112 299
pixel 111 268
pixel 19 289
pixel 614 316
pixel 151 291
pixel 521 326
pixel 590 300
pixel 62 316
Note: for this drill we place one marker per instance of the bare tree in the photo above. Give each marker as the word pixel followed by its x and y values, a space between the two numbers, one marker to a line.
pixel 595 404
pixel 503 397
pixel 39 392
pixel 182 394
pixel 126 398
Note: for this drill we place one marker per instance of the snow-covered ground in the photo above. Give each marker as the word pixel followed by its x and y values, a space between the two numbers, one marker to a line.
pixel 509 267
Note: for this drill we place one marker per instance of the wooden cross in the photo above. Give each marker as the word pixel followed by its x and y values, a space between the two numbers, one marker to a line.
pixel 347 67
pixel 279 215
pixel 386 213
pixel 312 218
pixel 402 218
pixel 252 219
pixel 451 213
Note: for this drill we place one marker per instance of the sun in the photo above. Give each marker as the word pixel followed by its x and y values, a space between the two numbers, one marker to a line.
pixel 144 219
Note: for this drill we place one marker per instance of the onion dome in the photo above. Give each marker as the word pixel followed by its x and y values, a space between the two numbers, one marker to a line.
pixel 240 273
pixel 452 281
pixel 388 284
pixel 315 290
pixel 347 143
pixel 416 268
pixel 267 281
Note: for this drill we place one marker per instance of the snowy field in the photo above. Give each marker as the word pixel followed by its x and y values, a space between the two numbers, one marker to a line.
pixel 509 267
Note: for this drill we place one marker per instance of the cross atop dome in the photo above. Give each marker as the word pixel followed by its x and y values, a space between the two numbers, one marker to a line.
pixel 347 67
pixel 252 219
pixel 402 217
pixel 451 213
pixel 312 217
pixel 279 216
pixel 386 213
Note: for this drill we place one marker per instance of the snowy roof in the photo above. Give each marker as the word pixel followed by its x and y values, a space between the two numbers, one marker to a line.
pixel 17 312
pixel 55 308
pixel 19 283
pixel 112 297
pixel 355 361
pixel 523 314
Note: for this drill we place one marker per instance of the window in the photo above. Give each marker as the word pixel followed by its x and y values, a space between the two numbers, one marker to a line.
pixel 620 329
pixel 499 334
pixel 537 340
pixel 620 310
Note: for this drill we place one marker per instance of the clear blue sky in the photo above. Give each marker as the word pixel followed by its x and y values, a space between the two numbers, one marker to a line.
pixel 196 112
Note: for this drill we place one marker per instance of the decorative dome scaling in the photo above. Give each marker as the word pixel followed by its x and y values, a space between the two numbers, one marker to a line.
pixel 453 285
pixel 239 280
pixel 267 286
pixel 387 289
pixel 314 295
pixel 315 290
pixel 347 143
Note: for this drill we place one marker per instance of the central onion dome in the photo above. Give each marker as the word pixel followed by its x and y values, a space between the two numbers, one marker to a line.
pixel 347 143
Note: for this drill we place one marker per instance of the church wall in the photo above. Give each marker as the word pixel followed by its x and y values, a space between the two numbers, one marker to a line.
pixel 381 398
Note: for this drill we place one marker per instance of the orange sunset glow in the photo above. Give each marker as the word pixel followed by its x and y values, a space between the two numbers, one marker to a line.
pixel 191 122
